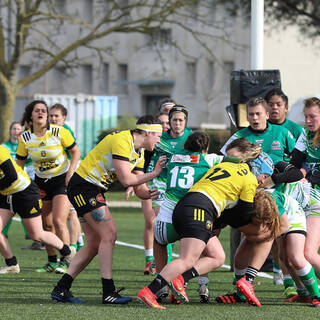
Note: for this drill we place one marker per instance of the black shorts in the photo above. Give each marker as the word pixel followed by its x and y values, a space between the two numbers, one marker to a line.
pixel 51 187
pixel 85 196
pixel 27 203
pixel 193 217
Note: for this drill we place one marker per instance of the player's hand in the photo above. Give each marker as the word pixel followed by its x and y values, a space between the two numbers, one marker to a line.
pixel 161 163
pixel 129 192
pixel 154 194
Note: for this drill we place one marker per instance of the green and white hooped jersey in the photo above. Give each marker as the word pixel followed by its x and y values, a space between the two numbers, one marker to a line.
pixel 184 170
pixel 308 197
pixel 304 144
pixel 291 126
pixel 288 205
pixel 276 141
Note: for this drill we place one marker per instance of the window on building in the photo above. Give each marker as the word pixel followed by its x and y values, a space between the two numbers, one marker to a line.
pixel 191 11
pixel 105 78
pixel 191 78
pixel 160 38
pixel 87 10
pixel 228 66
pixel 56 81
pixel 210 75
pixel 61 6
pixel 23 72
pixel 122 79
pixel 86 79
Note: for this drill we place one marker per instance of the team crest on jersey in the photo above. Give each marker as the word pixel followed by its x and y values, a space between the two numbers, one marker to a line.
pixel 93 202
pixel 43 153
pixel 100 198
pixel 209 225
pixel 1 174
pixel 259 142
pixel 275 145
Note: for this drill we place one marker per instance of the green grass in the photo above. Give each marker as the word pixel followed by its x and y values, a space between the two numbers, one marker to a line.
pixel 27 295
pixel 119 196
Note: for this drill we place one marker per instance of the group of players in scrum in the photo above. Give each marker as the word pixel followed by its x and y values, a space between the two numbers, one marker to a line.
pixel 203 193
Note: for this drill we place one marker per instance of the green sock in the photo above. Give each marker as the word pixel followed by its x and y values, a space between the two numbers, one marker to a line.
pixel 302 291
pixel 6 228
pixel 237 277
pixel 169 251
pixel 149 259
pixel 310 281
pixel 288 283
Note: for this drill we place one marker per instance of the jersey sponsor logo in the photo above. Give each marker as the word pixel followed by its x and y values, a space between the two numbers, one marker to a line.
pixel 1 174
pixel 79 200
pixel 276 145
pixel 173 144
pixel 181 158
pixel 100 198
pixel 42 144
pixel 198 215
pixel 33 210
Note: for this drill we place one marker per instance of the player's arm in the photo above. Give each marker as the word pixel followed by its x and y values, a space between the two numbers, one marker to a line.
pixel 21 154
pixel 75 157
pixel 128 178
pixel 10 174
pixel 143 191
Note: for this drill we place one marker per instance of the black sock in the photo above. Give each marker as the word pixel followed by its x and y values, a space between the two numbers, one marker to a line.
pixel 11 261
pixel 65 251
pixel 65 282
pixel 251 274
pixel 157 284
pixel 53 259
pixel 107 286
pixel 190 274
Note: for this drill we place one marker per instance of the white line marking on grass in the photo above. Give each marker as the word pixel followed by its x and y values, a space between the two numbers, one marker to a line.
pixel 136 246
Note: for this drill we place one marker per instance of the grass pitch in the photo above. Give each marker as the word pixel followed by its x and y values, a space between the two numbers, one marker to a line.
pixel 27 295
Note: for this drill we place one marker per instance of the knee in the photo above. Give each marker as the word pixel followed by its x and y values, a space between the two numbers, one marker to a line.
pixel 35 236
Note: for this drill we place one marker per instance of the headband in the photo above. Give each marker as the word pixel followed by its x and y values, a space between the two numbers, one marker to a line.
pixel 154 127
pixel 166 104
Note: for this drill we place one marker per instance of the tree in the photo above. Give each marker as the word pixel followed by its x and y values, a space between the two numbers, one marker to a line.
pixel 305 14
pixel 37 29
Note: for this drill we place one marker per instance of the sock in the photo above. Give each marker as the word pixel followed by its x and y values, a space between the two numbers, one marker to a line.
pixel 190 274
pixel 107 286
pixel 80 241
pixel 203 280
pixel 65 282
pixel 308 278
pixel 302 291
pixel 149 255
pixel 238 274
pixel 74 246
pixel 53 259
pixel 251 273
pixel 169 252
pixel 11 261
pixel 65 251
pixel 276 267
pixel 157 284
pixel 288 281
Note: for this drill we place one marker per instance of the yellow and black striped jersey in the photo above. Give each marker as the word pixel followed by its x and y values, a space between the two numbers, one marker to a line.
pixel 21 182
pixel 225 183
pixel 47 152
pixel 97 167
